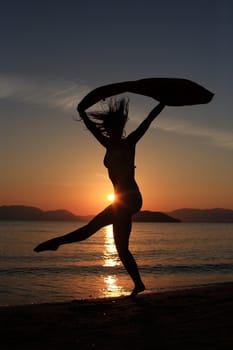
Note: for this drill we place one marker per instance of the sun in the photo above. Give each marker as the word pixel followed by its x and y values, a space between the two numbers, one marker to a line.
pixel 111 197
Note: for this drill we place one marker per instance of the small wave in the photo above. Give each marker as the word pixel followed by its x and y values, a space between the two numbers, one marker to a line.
pixel 99 269
pixel 195 268
pixel 66 270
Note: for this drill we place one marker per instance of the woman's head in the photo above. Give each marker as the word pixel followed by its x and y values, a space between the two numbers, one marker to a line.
pixel 111 121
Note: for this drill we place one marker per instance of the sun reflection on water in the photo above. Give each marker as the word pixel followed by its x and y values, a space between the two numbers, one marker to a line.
pixel 111 259
pixel 110 253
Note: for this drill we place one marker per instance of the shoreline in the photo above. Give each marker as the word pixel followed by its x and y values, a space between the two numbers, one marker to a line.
pixel 192 318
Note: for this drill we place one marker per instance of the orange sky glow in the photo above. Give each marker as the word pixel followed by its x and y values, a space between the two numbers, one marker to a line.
pixel 171 172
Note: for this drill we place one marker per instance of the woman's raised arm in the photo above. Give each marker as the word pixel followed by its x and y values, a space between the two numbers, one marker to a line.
pixel 137 134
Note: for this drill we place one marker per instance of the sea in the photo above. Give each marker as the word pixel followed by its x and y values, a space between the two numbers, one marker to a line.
pixel 169 255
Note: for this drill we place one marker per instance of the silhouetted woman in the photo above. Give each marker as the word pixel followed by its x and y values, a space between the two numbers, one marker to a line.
pixel 108 129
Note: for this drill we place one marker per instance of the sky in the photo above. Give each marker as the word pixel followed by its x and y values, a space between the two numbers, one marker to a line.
pixel 54 52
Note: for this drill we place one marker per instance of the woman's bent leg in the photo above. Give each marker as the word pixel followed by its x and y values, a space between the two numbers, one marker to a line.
pixel 121 230
pixel 106 217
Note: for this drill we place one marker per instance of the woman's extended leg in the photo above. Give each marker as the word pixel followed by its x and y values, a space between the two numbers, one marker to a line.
pixel 106 217
pixel 121 231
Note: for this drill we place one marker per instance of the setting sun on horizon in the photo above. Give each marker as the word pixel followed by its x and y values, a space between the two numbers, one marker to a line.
pixel 111 197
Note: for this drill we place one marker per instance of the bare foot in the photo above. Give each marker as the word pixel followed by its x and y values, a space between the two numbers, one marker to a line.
pixel 48 245
pixel 138 289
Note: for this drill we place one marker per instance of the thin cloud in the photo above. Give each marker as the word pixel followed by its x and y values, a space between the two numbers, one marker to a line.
pixel 217 137
pixel 54 94
pixel 221 138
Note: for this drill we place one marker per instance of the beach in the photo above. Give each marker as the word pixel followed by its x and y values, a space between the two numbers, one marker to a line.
pixel 195 318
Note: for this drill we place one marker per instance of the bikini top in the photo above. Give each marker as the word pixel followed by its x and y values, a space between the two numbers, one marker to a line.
pixel 120 156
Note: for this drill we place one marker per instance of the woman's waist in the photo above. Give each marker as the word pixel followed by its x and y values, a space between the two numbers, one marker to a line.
pixel 122 188
pixel 121 177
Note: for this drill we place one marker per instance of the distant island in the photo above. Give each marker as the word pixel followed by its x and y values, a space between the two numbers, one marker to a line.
pixel 21 212
pixel 214 215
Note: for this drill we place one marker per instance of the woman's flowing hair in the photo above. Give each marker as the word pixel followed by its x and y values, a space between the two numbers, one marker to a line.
pixel 113 113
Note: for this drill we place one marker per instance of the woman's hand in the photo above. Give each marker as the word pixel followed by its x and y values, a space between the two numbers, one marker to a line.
pixel 79 109
pixel 160 106
pixel 81 112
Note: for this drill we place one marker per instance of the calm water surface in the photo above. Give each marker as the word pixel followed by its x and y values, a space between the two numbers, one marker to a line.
pixel 169 256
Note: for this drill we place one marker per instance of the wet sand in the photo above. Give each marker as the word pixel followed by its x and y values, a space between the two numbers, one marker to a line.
pixel 197 318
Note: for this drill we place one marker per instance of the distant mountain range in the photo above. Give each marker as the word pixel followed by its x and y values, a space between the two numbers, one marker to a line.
pixel 21 212
pixel 203 215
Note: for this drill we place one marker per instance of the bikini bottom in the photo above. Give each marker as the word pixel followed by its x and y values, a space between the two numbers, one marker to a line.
pixel 130 201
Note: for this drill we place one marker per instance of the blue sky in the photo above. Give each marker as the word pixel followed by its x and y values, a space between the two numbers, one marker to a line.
pixel 53 53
